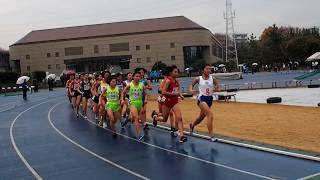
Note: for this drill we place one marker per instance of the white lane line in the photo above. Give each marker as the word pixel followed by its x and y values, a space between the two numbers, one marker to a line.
pixel 269 150
pixel 25 162
pixel 90 152
pixel 7 104
pixel 311 176
pixel 188 156
pixel 7 109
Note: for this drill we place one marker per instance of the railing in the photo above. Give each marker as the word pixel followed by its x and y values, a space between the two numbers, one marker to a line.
pixel 14 89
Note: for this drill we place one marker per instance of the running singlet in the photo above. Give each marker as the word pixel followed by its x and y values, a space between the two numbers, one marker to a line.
pixel 112 96
pixel 68 86
pixel 206 90
pixel 121 85
pixel 103 86
pixel 206 86
pixel 86 86
pixel 76 87
pixel 174 87
pixel 136 95
pixel 144 81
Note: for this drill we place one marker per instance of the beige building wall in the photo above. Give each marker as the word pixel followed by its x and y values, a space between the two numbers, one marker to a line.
pixel 160 50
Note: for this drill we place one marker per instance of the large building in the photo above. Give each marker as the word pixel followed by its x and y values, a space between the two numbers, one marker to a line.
pixel 4 60
pixel 130 44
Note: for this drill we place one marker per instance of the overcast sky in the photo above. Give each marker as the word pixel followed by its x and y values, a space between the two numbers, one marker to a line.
pixel 18 17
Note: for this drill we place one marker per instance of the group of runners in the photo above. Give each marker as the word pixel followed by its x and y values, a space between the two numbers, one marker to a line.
pixel 113 99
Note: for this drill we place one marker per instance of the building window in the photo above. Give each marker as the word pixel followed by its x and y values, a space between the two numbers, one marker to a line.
pixel 28 68
pixel 137 48
pixel 48 55
pixel 57 66
pixel 173 58
pixel 147 47
pixel 57 54
pixel 95 49
pixel 138 60
pixel 172 45
pixel 71 51
pixel 49 66
pixel 119 47
pixel 125 65
pixel 27 56
pixel 148 59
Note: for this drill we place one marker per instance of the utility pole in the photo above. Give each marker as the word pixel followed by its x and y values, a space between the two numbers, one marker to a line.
pixel 231 49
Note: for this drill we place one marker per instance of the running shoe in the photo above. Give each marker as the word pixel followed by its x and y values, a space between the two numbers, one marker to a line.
pixel 125 122
pixel 173 130
pixel 86 117
pixel 140 138
pixel 213 139
pixel 146 127
pixel 96 117
pixel 191 128
pixel 77 115
pixel 183 139
pixel 154 121
pixel 100 123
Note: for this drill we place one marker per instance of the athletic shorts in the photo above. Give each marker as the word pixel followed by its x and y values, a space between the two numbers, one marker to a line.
pixel 114 107
pixel 206 99
pixel 137 104
pixel 95 99
pixel 87 96
pixel 170 102
pixel 76 94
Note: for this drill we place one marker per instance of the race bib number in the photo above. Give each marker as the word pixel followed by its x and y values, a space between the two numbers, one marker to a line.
pixel 86 87
pixel 176 90
pixel 113 97
pixel 136 95
pixel 207 91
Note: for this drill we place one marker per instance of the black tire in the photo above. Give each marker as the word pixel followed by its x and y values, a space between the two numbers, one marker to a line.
pixel 232 90
pixel 274 100
pixel 314 86
pixel 318 104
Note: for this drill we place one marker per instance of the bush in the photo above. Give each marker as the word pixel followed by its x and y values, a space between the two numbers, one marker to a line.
pixel 39 75
pixel 8 77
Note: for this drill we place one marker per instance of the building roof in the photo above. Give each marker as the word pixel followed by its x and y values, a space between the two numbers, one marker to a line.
pixel 110 29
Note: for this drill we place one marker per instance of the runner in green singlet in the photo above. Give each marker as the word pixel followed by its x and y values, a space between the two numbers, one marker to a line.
pixel 137 99
pixel 112 107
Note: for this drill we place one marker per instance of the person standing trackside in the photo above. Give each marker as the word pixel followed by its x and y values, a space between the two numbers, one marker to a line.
pixel 25 89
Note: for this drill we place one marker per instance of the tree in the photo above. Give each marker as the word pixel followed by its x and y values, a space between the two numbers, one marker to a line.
pixel 300 48
pixel 250 51
pixel 272 49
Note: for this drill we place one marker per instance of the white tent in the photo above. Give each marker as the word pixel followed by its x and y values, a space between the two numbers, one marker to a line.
pixel 314 57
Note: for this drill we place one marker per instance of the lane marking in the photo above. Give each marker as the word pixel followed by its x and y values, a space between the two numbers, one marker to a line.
pixel 310 176
pixel 184 155
pixel 10 107
pixel 269 150
pixel 90 152
pixel 25 162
